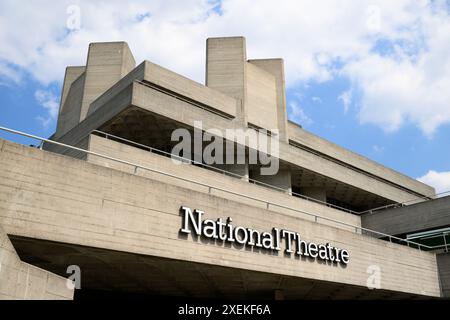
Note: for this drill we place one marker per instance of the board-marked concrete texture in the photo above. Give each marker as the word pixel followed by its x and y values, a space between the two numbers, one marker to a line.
pixel 72 201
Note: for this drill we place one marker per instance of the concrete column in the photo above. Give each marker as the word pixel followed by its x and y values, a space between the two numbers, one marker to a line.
pixel 276 68
pixel 226 60
pixel 443 262
pixel 107 63
pixel 317 193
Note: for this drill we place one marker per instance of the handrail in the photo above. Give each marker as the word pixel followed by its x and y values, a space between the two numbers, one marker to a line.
pixel 187 160
pixel 268 203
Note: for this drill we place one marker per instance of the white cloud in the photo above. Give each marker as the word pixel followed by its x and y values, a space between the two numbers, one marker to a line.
pixel 319 40
pixel 51 105
pixel 439 180
pixel 298 115
pixel 346 98
pixel 377 148
pixel 316 100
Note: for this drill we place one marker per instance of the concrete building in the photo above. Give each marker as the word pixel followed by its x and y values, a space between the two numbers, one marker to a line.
pixel 329 224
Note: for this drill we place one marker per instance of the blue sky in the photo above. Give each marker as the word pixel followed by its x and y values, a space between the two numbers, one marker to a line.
pixel 373 77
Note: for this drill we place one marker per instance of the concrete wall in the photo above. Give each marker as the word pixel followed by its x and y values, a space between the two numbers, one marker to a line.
pixel 72 73
pixel 243 89
pixel 61 199
pixel 137 74
pixel 443 261
pixel 159 76
pixel 255 88
pixel 315 193
pixel 421 216
pixel 20 280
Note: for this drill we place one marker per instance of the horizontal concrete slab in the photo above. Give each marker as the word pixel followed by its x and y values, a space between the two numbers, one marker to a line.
pixel 409 219
pixel 57 198
pixel 20 280
pixel 334 151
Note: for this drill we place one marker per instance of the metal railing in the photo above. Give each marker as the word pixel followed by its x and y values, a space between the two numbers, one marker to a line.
pixel 225 172
pixel 268 204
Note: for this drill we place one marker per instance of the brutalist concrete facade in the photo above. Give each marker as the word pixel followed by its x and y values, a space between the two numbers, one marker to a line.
pixel 120 221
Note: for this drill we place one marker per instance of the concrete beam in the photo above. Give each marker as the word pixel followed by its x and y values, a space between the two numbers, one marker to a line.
pixel 189 89
pixel 409 219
